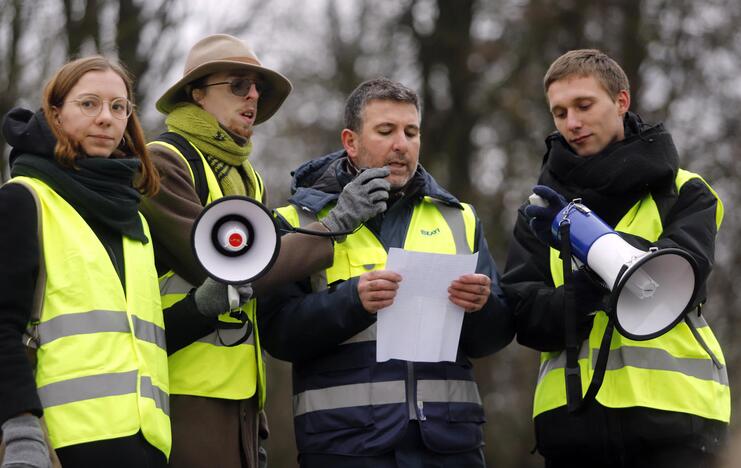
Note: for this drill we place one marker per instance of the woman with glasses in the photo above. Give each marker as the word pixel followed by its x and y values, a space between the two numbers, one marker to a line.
pixel 82 337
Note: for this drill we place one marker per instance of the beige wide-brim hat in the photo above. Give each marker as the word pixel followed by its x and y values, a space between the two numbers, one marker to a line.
pixel 222 52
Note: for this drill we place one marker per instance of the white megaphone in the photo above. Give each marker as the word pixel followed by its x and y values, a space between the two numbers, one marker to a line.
pixel 236 240
pixel 651 291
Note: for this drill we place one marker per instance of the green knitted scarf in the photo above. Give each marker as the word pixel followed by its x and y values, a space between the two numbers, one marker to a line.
pixel 218 146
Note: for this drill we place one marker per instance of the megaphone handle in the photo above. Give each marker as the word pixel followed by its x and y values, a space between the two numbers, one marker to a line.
pixel 233 296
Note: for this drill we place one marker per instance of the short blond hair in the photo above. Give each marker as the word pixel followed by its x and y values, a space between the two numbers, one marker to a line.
pixel 588 62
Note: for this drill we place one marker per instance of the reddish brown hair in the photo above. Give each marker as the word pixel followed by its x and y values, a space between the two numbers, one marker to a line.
pixel 67 150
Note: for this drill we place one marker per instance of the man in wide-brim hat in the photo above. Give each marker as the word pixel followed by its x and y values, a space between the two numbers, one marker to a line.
pixel 222 53
pixel 217 377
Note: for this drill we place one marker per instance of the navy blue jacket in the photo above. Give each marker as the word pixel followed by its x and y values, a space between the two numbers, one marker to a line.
pixel 309 329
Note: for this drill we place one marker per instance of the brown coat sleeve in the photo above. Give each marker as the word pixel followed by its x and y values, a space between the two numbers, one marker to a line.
pixel 173 210
pixel 300 256
pixel 171 214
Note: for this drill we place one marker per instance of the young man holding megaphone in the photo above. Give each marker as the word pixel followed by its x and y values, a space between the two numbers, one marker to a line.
pixel 217 384
pixel 602 399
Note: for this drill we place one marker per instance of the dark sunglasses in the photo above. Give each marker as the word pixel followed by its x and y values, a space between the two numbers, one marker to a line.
pixel 240 86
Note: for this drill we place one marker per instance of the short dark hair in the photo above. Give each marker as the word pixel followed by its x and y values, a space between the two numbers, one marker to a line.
pixel 382 89
pixel 588 62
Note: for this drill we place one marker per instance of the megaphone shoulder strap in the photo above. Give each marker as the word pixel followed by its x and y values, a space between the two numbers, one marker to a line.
pixel 574 400
pixel 600 366
pixel 700 340
pixel 571 371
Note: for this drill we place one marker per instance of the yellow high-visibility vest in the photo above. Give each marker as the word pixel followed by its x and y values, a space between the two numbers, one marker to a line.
pixel 433 228
pixel 206 367
pixel 101 360
pixel 672 372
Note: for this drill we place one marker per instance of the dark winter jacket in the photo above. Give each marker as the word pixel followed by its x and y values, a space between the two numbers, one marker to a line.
pixel 307 328
pixel 610 183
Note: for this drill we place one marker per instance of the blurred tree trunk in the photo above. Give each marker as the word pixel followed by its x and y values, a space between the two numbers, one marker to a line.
pixel 81 28
pixel 447 87
pixel 12 70
pixel 633 45
pixel 128 33
pixel 345 51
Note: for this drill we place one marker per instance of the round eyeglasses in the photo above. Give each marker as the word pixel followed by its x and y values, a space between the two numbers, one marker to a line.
pixel 91 105
pixel 240 86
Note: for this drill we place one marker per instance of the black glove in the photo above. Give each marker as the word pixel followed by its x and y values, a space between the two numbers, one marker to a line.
pixel 541 218
pixel 25 446
pixel 213 299
pixel 360 200
pixel 589 297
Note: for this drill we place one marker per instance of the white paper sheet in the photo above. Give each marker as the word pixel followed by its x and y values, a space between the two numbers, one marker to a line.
pixel 422 324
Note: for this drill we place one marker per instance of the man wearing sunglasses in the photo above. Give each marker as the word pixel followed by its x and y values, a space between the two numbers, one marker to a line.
pixel 217 391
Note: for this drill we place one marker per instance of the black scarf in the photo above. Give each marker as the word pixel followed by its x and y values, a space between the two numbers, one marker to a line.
pixel 612 181
pixel 100 189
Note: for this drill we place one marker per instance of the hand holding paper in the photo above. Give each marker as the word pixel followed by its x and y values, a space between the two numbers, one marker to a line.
pixel 470 291
pixel 423 322
pixel 377 289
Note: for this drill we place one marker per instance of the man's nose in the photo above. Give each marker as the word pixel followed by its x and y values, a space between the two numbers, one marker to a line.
pixel 400 142
pixel 573 121
pixel 253 92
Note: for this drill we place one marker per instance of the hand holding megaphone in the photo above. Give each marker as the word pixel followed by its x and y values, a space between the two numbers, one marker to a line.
pixel 651 290
pixel 235 239
pixel 214 298
pixel 545 204
pixel 360 200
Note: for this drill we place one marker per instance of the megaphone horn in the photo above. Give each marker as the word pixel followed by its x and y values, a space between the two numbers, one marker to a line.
pixel 651 291
pixel 235 239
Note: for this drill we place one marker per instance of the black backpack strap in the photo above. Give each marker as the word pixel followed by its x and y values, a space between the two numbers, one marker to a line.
pixel 194 160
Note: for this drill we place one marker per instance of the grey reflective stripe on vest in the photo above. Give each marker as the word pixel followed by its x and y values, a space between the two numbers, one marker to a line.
pixel 454 217
pixel 645 358
pixel 369 334
pixel 228 336
pixel 148 331
pixel 448 391
pixel 347 396
pixel 559 362
pixel 148 390
pixel 87 388
pixel 99 321
pixel 659 359
pixel 101 386
pixel 174 284
pixel 94 321
pixel 318 279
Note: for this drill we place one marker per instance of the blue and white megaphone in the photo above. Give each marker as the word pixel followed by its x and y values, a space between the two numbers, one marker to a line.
pixel 650 291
